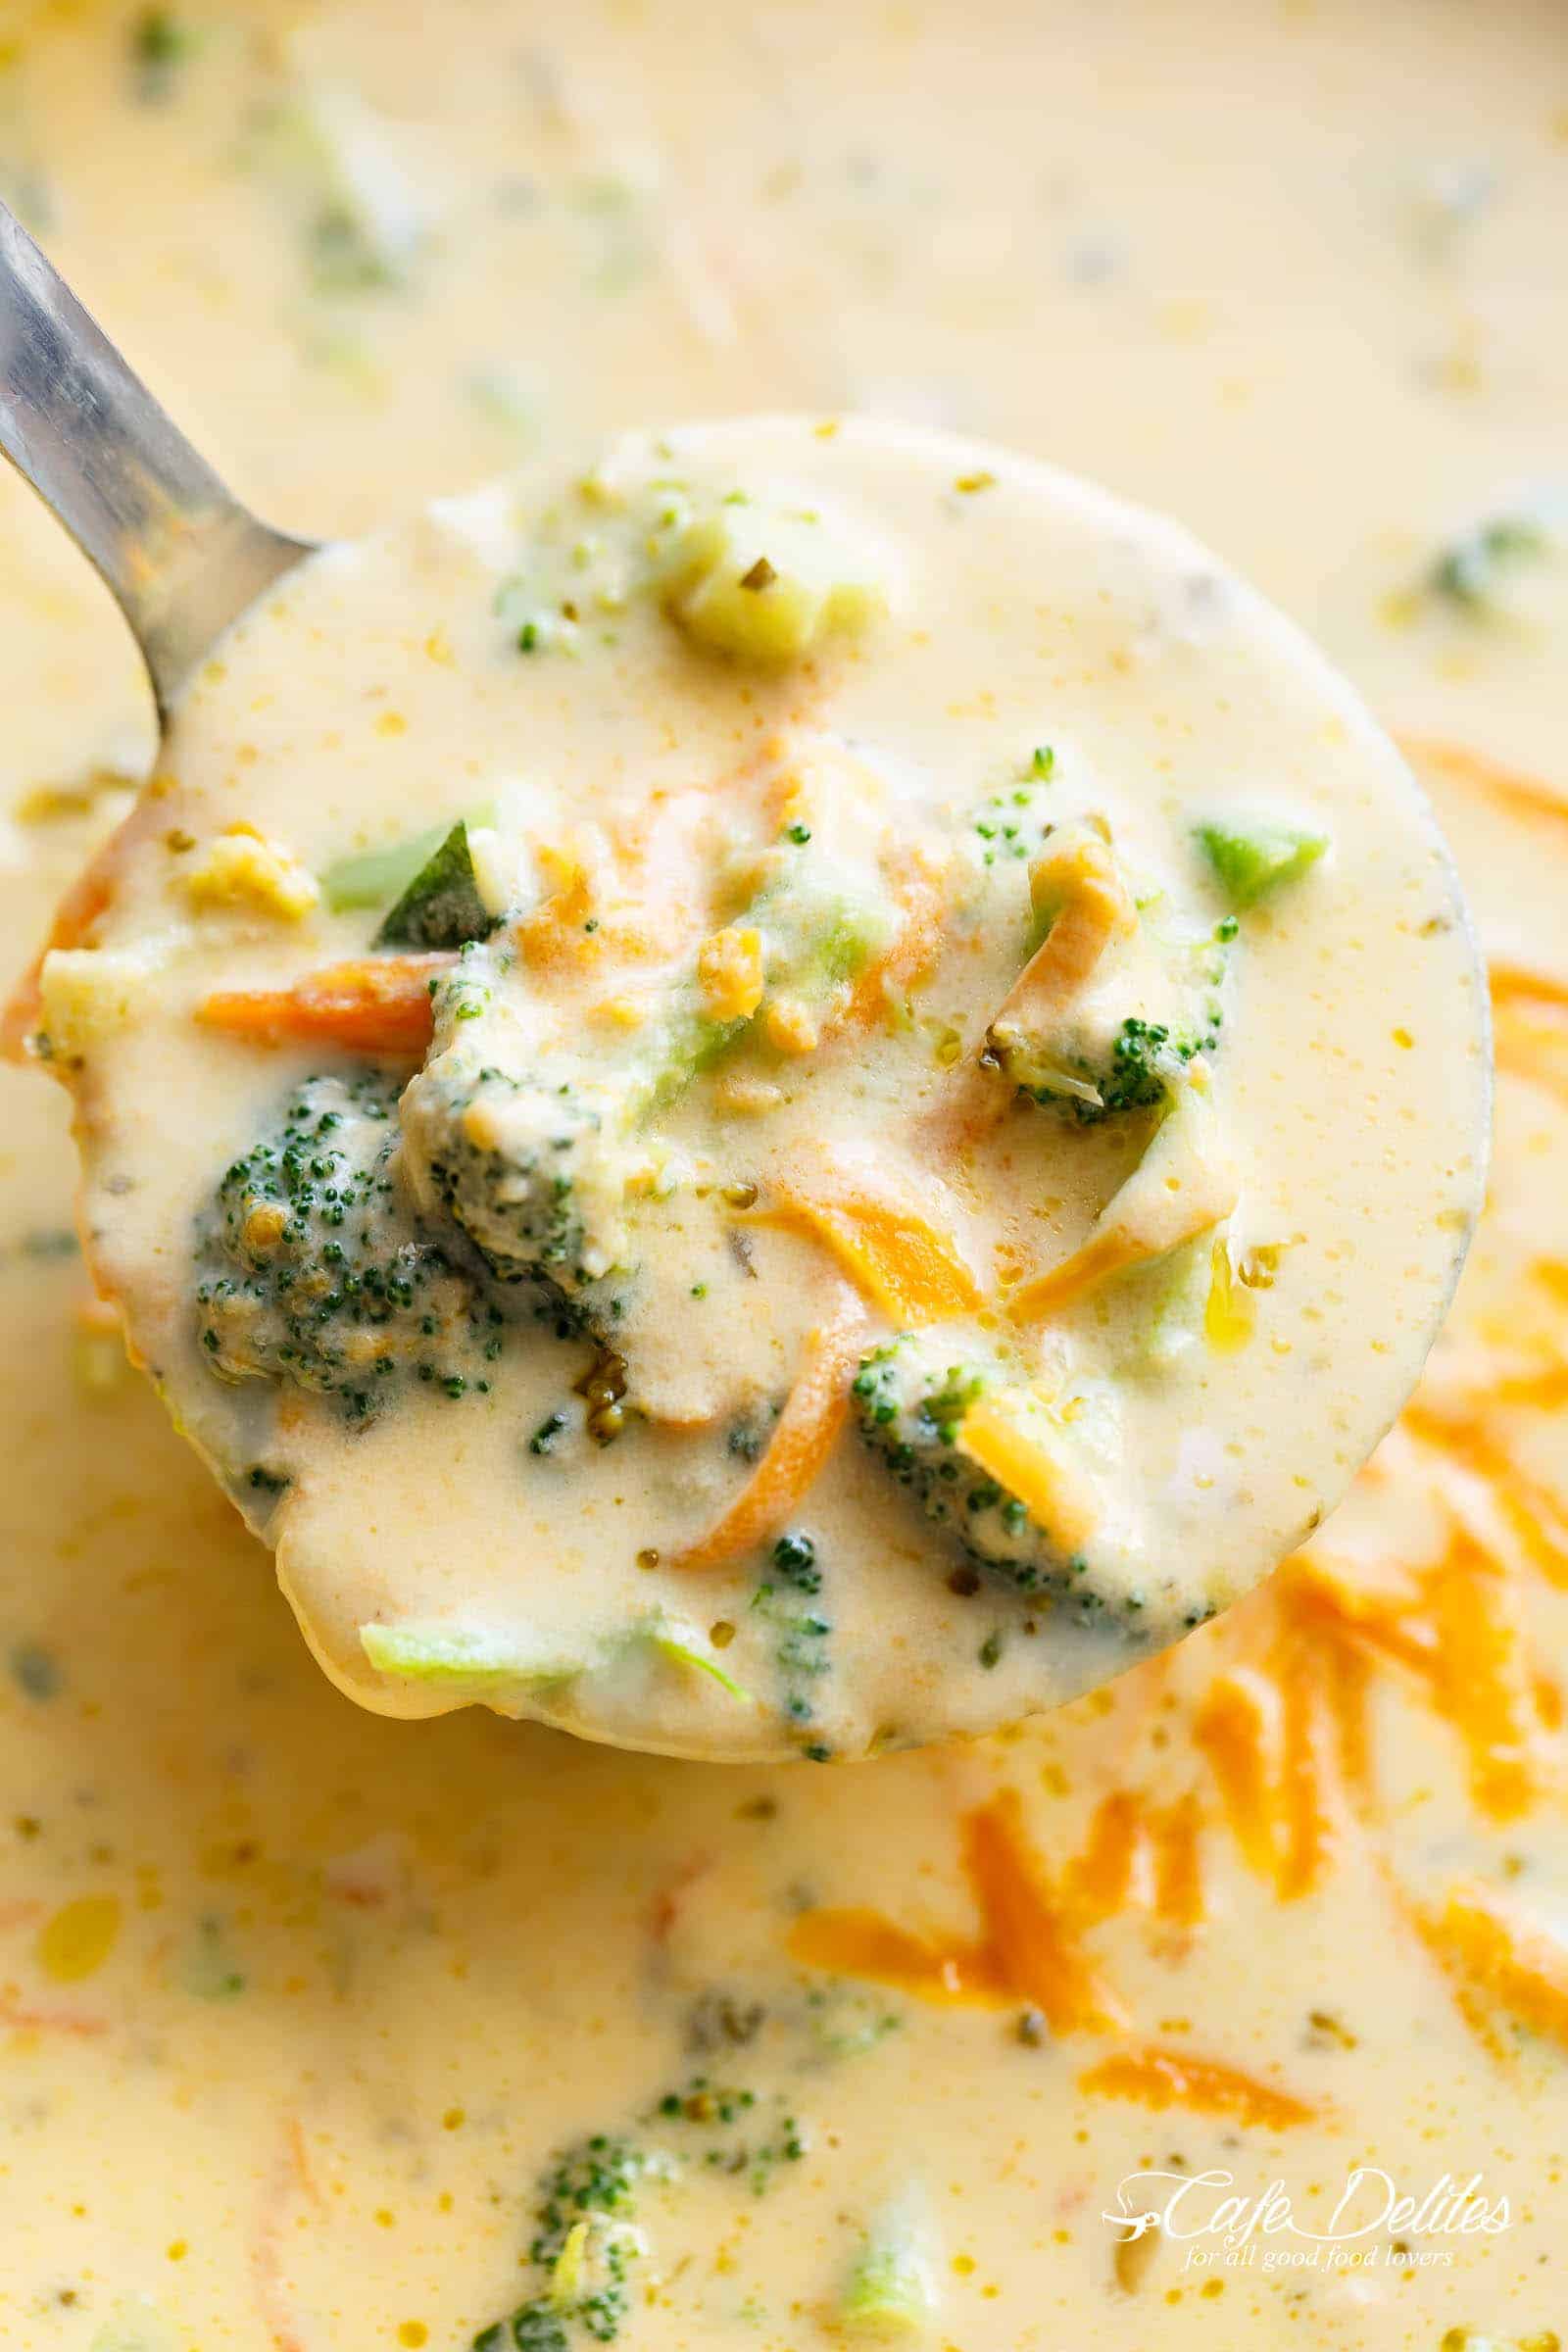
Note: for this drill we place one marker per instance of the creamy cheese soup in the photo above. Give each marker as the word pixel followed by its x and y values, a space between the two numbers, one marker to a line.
pixel 942 1006
pixel 319 2031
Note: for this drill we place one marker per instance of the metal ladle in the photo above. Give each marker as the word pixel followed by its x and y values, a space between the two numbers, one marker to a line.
pixel 182 557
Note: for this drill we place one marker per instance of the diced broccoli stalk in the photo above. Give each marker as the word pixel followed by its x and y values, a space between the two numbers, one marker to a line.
pixel 480 1663
pixel 889 2296
pixel 365 221
pixel 1251 859
pixel 1474 572
pixel 1171 1300
pixel 942 1421
pixel 769 584
pixel 462 1658
pixel 135 2325
pixel 375 877
pixel 314 1269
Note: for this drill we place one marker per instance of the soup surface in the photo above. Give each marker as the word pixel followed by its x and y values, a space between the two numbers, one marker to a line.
pixel 305 2019
pixel 917 1024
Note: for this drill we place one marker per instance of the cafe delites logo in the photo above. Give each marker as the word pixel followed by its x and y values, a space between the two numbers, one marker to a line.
pixel 1375 2221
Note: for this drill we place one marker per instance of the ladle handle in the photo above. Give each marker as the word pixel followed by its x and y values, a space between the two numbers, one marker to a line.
pixel 182 557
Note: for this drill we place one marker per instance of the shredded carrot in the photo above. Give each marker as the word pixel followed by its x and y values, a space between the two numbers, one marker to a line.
pixel 1008 1433
pixel 1480 1683
pixel 798 1449
pixel 1182 1187
pixel 1160 2079
pixel 1033 1943
pixel 1456 1635
pixel 911 955
pixel 376 1005
pixel 902 1261
pixel 1237 1725
pixel 1511 982
pixel 1099 1880
pixel 1174 1831
pixel 1030 1948
pixel 290 2176
pixel 862 1944
pixel 17 2019
pixel 1512 787
pixel 1094 909
pixel 1522 1965
pixel 1308 1828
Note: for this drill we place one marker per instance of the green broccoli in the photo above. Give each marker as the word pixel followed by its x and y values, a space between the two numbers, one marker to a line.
pixel 314 1269
pixel 911 1399
pixel 1108 1012
pixel 1253 858
pixel 890 2295
pixel 587 2217
pixel 533 1153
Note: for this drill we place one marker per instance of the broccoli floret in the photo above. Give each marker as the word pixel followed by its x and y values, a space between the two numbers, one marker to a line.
pixel 1111 1008
pixel 314 1269
pixel 533 1171
pixel 911 1401
pixel 587 2233
pixel 1098 1071
pixel 532 1145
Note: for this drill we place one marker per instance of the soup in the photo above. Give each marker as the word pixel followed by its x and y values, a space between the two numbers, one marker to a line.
pixel 308 2018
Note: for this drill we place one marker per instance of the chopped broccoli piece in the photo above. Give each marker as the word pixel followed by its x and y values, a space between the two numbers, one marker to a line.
pixel 441 907
pixel 373 878
pixel 1097 1067
pixel 1469 572
pixel 316 1269
pixel 587 2213
pixel 480 1664
pixel 463 1656
pixel 1250 861
pixel 534 1173
pixel 911 1401
pixel 890 2295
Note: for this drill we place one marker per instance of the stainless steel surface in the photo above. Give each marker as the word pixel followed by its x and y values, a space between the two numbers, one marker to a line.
pixel 181 556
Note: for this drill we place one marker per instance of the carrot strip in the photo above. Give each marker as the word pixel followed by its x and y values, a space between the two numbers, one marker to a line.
pixel 379 1004
pixel 902 1261
pixel 1522 1967
pixel 1511 982
pixel 861 1942
pixel 1182 1187
pixel 1094 909
pixel 1033 1946
pixel 1175 1830
pixel 1514 787
pixel 17 2020
pixel 1099 1880
pixel 1305 1822
pixel 1236 1726
pixel 1479 1685
pixel 1161 2079
pixel 798 1449
pixel 912 953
